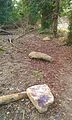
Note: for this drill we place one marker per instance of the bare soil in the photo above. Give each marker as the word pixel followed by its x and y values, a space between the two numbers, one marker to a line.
pixel 18 72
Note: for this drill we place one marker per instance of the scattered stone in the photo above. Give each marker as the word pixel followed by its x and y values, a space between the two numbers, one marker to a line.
pixel 17 89
pixel 46 38
pixel 11 88
pixel 7 88
pixel 1 73
pixel 39 55
pixel 69 99
pixel 40 96
pixel 18 108
pixel 8 113
pixel 27 103
pixel 22 100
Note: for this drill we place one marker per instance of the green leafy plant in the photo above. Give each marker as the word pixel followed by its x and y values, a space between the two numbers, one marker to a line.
pixel 38 74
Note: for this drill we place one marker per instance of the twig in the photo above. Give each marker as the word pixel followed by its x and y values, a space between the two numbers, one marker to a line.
pixel 23 117
pixel 4 32
pixel 11 42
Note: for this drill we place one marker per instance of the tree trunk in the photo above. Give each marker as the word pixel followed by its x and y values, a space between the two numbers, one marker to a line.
pixel 43 20
pixel 69 41
pixel 46 12
pixel 56 4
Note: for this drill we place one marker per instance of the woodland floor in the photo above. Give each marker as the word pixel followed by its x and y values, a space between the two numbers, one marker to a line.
pixel 18 72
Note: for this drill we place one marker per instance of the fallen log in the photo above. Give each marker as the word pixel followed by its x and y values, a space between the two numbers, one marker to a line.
pixel 5 99
pixel 39 55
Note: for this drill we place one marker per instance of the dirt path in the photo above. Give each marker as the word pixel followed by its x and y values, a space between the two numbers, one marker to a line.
pixel 17 72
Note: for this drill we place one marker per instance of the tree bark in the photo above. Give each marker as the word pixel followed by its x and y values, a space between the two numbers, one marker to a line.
pixel 69 41
pixel 56 4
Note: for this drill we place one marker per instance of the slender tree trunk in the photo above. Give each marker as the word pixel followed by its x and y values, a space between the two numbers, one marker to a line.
pixel 43 19
pixel 69 41
pixel 56 4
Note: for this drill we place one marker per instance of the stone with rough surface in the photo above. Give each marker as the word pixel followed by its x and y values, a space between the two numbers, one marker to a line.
pixel 40 96
pixel 46 38
pixel 39 55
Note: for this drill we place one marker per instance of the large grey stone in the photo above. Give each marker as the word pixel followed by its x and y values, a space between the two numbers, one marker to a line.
pixel 40 96
pixel 39 55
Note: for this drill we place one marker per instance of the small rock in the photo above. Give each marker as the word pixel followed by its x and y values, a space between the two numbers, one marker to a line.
pixel 11 88
pixel 22 100
pixel 69 99
pixel 7 89
pixel 46 38
pixel 1 73
pixel 8 113
pixel 17 89
pixel 40 96
pixel 26 100
pixel 27 103
pixel 18 108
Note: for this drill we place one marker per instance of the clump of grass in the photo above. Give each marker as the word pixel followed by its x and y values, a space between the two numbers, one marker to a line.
pixel 2 50
pixel 37 74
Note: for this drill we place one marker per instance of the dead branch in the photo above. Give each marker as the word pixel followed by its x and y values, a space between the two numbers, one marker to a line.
pixel 11 40
pixel 26 32
pixel 4 32
pixel 12 97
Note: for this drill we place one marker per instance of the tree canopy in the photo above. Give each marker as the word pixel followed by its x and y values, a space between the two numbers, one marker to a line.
pixel 46 11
